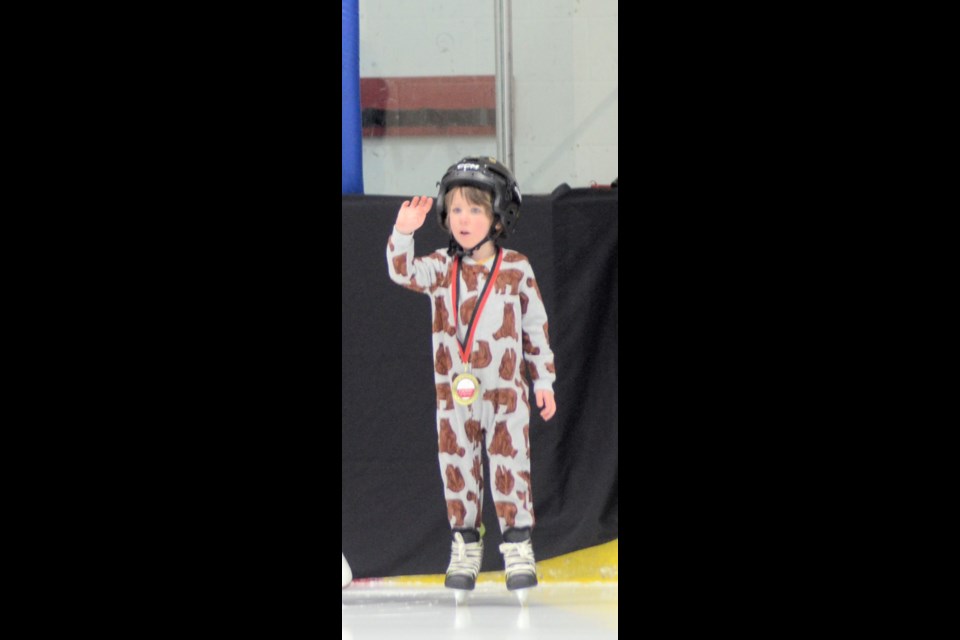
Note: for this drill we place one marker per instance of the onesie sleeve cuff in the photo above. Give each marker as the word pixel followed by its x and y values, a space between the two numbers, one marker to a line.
pixel 542 385
pixel 401 241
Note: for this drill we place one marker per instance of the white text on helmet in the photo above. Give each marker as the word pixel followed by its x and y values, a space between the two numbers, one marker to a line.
pixel 468 165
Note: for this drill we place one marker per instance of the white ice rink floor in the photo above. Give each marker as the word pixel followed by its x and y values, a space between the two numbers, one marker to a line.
pixel 373 610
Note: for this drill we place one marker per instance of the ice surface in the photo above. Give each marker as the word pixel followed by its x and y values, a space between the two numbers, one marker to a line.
pixel 375 610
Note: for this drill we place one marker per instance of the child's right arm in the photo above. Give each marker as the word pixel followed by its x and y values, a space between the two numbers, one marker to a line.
pixel 418 274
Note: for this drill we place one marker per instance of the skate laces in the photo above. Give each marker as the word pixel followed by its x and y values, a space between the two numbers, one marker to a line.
pixel 518 556
pixel 465 556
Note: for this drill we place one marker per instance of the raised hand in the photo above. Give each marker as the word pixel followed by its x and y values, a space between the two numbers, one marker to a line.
pixel 412 214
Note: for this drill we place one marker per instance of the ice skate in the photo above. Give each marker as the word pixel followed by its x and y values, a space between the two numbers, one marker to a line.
pixel 466 554
pixel 519 563
pixel 346 576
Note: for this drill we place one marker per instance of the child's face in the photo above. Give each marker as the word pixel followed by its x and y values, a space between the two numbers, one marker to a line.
pixel 469 223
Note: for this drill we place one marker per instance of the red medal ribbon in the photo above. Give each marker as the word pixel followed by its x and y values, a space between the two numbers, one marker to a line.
pixel 467 347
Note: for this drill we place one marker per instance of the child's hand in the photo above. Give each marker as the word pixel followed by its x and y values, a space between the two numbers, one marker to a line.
pixel 412 214
pixel 547 404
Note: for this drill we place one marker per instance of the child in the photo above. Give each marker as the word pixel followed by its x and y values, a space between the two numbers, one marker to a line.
pixel 489 334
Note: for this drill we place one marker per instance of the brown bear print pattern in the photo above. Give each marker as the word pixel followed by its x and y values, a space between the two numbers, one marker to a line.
pixel 508 336
pixel 448 440
pixel 509 327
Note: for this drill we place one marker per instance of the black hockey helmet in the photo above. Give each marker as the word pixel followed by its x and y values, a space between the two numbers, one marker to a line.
pixel 489 174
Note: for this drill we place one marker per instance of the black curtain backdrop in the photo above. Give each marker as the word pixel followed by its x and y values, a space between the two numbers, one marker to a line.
pixel 393 512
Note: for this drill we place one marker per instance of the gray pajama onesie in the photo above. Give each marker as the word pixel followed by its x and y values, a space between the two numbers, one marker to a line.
pixel 510 336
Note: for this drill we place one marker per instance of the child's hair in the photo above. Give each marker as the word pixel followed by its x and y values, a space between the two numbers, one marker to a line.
pixel 473 195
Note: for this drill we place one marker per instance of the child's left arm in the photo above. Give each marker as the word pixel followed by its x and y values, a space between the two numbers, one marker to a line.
pixel 536 344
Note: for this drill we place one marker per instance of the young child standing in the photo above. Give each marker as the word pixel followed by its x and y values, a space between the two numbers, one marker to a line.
pixel 490 334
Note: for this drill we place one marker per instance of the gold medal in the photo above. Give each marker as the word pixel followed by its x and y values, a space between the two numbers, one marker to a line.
pixel 466 389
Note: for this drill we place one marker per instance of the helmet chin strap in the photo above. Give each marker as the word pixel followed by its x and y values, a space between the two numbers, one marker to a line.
pixel 456 249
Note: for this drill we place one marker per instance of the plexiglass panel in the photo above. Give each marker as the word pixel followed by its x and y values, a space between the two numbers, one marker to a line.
pixel 428 74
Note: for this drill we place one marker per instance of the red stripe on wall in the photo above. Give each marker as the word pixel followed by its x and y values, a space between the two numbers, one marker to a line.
pixel 428 106
pixel 375 132
pixel 428 92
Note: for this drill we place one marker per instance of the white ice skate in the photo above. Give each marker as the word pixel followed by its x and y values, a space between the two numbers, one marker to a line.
pixel 465 560
pixel 520 567
pixel 346 576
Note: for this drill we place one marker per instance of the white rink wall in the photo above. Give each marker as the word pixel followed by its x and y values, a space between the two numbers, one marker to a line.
pixel 565 89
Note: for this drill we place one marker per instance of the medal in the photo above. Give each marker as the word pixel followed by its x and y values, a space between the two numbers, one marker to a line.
pixel 466 389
